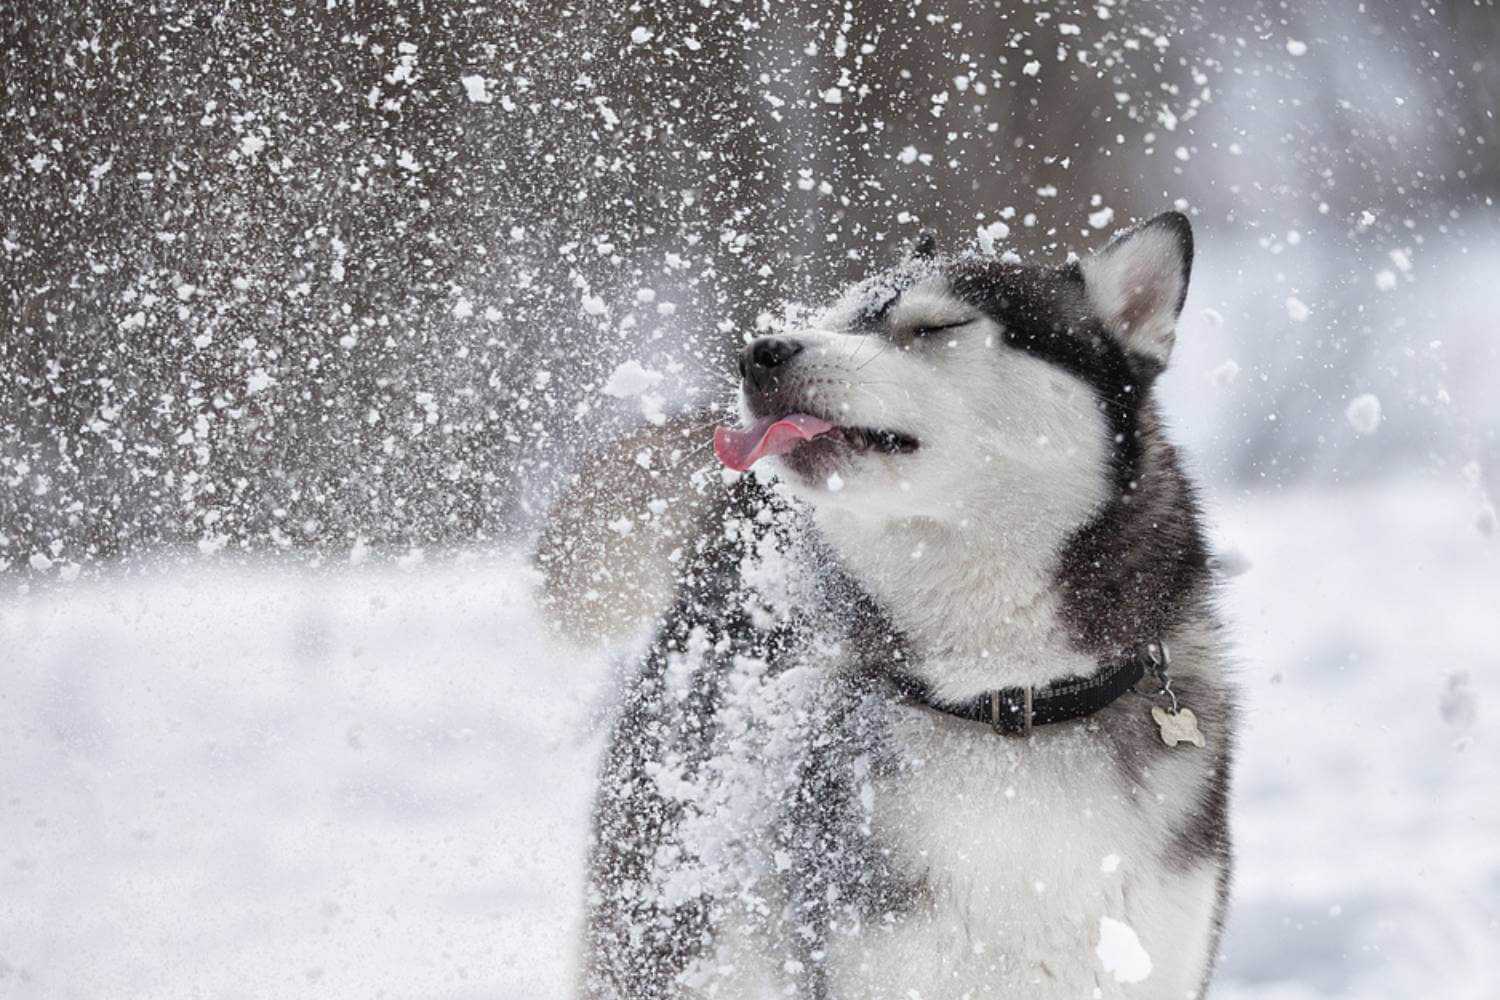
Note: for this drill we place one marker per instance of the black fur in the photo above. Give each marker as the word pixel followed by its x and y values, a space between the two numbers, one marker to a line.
pixel 637 946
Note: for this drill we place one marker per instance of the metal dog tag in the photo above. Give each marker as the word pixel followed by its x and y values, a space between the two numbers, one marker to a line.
pixel 1177 727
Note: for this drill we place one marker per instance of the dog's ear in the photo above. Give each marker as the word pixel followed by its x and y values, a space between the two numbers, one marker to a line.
pixel 1137 284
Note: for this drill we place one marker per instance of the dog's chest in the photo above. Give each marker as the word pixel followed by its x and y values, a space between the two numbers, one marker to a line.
pixel 1023 856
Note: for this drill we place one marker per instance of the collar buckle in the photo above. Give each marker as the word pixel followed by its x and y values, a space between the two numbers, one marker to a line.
pixel 1158 661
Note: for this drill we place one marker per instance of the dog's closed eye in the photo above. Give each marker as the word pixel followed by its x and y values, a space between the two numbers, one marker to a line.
pixel 928 329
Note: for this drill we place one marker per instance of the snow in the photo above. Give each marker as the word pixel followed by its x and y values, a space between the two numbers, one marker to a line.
pixel 246 783
pixel 631 378
pixel 476 88
pixel 1229 560
pixel 1296 48
pixel 990 236
pixel 1363 413
pixel 1459 706
pixel 1120 952
pixel 1346 765
pixel 1296 309
pixel 1225 374
pixel 256 781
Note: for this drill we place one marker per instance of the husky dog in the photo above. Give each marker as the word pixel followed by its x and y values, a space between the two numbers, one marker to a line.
pixel 940 710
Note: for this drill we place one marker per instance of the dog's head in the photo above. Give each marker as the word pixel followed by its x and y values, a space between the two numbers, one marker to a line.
pixel 938 386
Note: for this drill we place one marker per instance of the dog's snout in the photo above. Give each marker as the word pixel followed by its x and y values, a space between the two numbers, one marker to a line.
pixel 762 357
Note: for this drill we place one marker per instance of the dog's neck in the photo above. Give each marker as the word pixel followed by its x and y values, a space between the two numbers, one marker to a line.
pixel 979 609
pixel 1049 594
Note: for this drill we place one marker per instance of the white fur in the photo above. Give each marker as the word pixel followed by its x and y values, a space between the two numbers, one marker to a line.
pixel 1014 839
pixel 1024 847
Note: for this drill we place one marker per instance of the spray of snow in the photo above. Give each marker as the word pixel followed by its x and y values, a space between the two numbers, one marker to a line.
pixel 991 235
pixel 631 378
pixel 477 89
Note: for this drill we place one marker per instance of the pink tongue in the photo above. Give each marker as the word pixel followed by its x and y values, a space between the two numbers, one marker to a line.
pixel 740 449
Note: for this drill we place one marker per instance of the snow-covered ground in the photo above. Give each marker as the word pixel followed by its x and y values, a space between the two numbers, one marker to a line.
pixel 373 782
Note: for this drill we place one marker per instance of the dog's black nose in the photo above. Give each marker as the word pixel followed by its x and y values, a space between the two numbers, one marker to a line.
pixel 763 355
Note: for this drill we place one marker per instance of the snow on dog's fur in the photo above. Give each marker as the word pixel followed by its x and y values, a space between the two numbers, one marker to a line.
pixel 983 499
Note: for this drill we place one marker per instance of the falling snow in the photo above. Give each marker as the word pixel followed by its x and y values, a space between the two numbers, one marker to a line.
pixel 630 378
pixel 1225 374
pixel 991 236
pixel 1363 413
pixel 477 89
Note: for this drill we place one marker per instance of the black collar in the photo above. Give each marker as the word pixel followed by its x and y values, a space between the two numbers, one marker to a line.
pixel 1013 711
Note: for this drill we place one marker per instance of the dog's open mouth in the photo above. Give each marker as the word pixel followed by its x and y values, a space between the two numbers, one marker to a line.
pixel 740 448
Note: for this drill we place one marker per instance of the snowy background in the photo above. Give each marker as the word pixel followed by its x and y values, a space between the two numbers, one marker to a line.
pixel 374 782
pixel 305 315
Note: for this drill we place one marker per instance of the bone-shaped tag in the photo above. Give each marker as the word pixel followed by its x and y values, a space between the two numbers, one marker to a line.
pixel 1177 727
